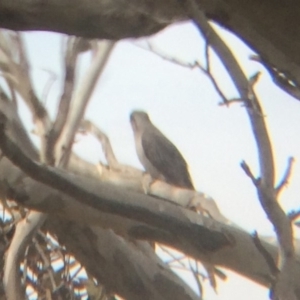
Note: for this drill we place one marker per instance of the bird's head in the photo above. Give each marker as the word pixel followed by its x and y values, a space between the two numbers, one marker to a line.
pixel 138 119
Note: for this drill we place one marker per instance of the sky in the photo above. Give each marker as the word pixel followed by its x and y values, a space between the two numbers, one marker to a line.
pixel 182 103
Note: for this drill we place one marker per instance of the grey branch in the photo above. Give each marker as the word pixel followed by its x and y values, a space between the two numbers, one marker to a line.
pixel 285 287
pixel 125 208
pixel 80 100
pixel 62 226
pixel 279 78
pixel 286 177
pixel 55 131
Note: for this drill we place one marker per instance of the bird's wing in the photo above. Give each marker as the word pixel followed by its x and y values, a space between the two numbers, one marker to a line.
pixel 166 158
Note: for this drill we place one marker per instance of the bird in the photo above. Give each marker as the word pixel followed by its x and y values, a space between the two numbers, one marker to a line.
pixel 160 158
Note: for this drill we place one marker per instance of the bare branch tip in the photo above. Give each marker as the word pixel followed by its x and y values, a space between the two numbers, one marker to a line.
pixel 266 255
pixel 287 175
pixel 248 171
pixel 293 215
pixel 255 57
pixel 254 78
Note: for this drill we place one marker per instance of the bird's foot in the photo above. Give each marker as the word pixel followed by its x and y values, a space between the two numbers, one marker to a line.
pixel 147 180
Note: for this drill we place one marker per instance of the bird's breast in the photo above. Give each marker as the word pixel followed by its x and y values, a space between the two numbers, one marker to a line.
pixel 149 168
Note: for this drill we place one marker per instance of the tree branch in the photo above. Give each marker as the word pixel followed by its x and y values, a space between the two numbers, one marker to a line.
pixel 280 79
pixel 81 98
pixel 168 224
pixel 39 198
pixel 269 259
pixel 285 285
pixel 52 178
pixel 65 100
pixel 286 177
pixel 249 173
pixel 22 237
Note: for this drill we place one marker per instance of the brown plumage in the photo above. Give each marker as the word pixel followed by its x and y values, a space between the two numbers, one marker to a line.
pixel 160 158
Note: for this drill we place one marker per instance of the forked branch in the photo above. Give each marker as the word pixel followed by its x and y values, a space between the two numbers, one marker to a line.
pixel 285 286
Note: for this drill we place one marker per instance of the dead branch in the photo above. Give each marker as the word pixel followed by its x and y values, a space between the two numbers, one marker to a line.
pixel 53 178
pixel 53 134
pixel 90 127
pixel 18 70
pixel 207 71
pixel 196 237
pixel 269 259
pixel 132 178
pixel 293 215
pixel 25 87
pixel 150 47
pixel 65 100
pixel 249 173
pixel 16 265
pixel 46 261
pixel 22 237
pixel 285 285
pixel 286 176
pixel 195 273
pixel 81 98
pixel 279 78
pixel 196 64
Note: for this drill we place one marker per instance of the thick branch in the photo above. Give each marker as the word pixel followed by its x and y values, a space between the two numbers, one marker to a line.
pixel 89 19
pixel 71 55
pixel 159 220
pixel 262 25
pixel 91 250
pixel 80 101
pixel 22 238
pixel 107 201
pixel 286 286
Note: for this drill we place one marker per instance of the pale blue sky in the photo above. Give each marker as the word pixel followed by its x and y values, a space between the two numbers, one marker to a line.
pixel 183 104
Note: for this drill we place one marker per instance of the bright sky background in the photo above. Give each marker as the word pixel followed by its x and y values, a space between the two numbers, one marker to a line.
pixel 183 104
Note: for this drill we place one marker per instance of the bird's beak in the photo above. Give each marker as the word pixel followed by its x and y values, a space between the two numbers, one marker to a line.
pixel 132 121
pixel 131 118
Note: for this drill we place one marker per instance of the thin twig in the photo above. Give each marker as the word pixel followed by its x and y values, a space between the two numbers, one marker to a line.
pixel 248 172
pixel 174 258
pixel 266 255
pixel 279 78
pixel 166 57
pixel 196 277
pixel 294 214
pixel 47 263
pixel 13 94
pixel 89 126
pixel 270 262
pixel 48 85
pixel 211 77
pixel 233 101
pixel 196 64
pixel 26 86
pixel 286 176
pixel 209 74
pixel 80 268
